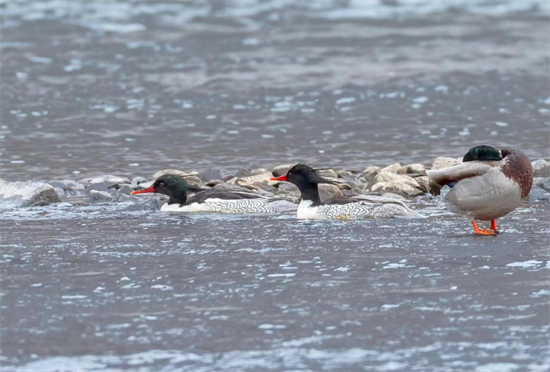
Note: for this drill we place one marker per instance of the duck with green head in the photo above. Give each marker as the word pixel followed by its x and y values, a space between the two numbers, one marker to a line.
pixel 489 184
pixel 210 200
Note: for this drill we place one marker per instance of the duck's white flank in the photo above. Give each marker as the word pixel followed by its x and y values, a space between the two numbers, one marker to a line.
pixel 239 206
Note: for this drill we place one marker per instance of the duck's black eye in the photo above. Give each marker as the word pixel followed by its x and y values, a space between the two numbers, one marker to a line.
pixel 161 184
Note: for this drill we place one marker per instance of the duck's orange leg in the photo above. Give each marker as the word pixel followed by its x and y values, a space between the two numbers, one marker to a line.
pixel 493 225
pixel 477 230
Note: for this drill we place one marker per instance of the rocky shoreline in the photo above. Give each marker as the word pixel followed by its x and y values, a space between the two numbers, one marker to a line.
pixel 395 180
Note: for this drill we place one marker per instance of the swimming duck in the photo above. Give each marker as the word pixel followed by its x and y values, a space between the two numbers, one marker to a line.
pixel 489 184
pixel 211 200
pixel 307 179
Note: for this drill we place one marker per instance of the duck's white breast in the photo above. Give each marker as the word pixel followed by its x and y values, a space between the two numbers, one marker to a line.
pixel 306 211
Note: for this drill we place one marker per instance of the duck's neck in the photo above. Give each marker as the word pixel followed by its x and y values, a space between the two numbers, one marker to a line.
pixel 310 192
pixel 178 197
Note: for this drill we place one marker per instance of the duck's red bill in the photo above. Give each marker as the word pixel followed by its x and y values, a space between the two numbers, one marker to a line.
pixel 144 191
pixel 282 178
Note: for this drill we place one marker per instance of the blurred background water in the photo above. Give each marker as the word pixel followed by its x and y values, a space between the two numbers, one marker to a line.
pixel 130 87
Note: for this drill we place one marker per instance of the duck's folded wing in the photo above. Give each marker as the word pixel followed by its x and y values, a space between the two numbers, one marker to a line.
pixel 202 196
pixel 458 172
pixel 365 199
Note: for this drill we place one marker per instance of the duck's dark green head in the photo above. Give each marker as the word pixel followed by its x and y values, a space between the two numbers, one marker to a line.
pixel 173 186
pixel 483 153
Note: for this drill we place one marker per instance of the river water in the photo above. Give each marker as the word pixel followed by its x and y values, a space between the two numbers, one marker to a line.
pixel 132 87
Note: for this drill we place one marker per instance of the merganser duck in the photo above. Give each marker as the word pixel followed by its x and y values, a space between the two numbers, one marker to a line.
pixel 307 180
pixel 489 184
pixel 211 200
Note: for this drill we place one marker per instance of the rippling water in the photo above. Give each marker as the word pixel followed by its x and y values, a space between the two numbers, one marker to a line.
pixel 131 87
pixel 137 86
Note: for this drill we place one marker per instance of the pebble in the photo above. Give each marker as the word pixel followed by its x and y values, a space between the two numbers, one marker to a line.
pixel 541 168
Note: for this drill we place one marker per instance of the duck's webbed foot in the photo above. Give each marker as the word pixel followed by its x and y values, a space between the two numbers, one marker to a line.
pixel 479 231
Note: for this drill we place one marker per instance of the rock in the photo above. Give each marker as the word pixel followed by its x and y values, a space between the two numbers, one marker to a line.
pixel 541 168
pixel 174 172
pixel 138 180
pixel 444 162
pixel 367 177
pixel 125 189
pixel 396 183
pixel 286 187
pixel 60 192
pixel 66 185
pixel 347 176
pixel 244 172
pixel 213 183
pixel 100 196
pixel 546 184
pixel 327 191
pixel 210 174
pixel 539 194
pixel 104 183
pixel 394 168
pixel 397 188
pixel 230 187
pixel 255 180
pixel 26 194
pixel 423 182
pixel 281 170
pixel 328 174
pixel 393 196
pixel 414 168
pixel 255 172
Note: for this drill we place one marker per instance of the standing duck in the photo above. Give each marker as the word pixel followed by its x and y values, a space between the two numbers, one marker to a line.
pixel 211 200
pixel 489 184
pixel 307 180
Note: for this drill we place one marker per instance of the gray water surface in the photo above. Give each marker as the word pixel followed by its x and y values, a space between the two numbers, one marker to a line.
pixel 129 88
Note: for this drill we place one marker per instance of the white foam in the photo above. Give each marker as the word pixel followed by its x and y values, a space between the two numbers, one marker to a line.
pixel 525 264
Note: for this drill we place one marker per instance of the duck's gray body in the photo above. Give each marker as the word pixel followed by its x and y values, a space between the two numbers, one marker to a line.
pixel 486 190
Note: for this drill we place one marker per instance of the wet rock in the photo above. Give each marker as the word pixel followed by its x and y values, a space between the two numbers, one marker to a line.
pixel 393 196
pixel 330 174
pixel 210 174
pixel 60 192
pixel 539 194
pixel 367 178
pixel 244 172
pixel 26 194
pixel 327 191
pixel 254 180
pixel 347 176
pixel 281 170
pixel 541 168
pixel 287 187
pixel 255 172
pixel 423 182
pixel 397 184
pixel 125 189
pixel 138 181
pixel 394 168
pixel 213 183
pixel 171 171
pixel 546 184
pixel 99 196
pixel 104 183
pixel 444 162
pixel 66 185
pixel 266 190
pixel 231 187
pixel 414 168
